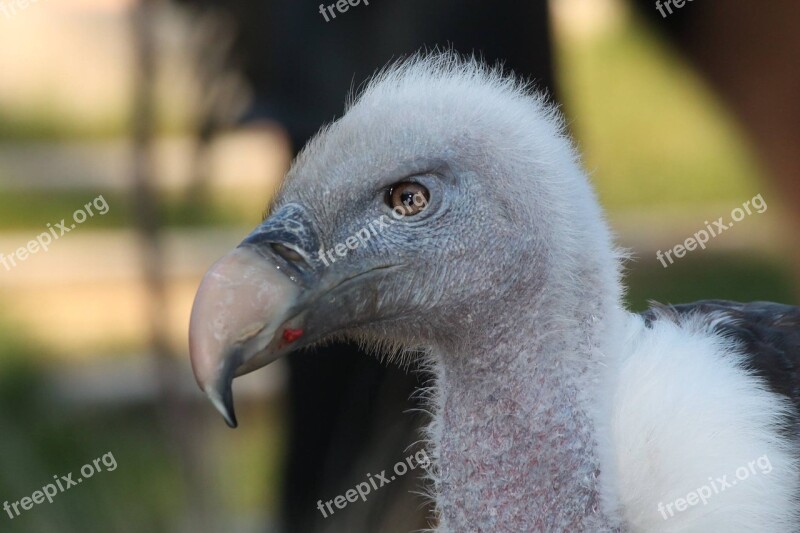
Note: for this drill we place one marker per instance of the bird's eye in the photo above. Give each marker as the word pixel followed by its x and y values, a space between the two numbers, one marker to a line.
pixel 409 196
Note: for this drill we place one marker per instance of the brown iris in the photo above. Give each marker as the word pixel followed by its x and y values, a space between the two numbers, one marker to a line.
pixel 409 196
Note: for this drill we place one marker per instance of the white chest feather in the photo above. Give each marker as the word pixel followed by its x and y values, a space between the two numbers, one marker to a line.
pixel 696 440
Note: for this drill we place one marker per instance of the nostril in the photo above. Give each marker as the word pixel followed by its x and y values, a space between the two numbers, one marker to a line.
pixel 287 253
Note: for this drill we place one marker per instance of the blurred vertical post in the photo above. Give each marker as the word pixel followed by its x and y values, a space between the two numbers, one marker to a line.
pixel 182 426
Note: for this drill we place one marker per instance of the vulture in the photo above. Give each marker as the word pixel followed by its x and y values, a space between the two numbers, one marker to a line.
pixel 445 218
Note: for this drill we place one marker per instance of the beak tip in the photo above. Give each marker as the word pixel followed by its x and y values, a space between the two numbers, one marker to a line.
pixel 241 301
pixel 224 404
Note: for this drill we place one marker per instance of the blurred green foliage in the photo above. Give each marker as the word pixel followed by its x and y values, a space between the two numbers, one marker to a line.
pixel 47 125
pixel 650 131
pixel 42 436
pixel 706 276
pixel 32 209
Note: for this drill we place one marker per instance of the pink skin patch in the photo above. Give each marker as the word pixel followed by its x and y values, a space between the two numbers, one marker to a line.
pixel 291 335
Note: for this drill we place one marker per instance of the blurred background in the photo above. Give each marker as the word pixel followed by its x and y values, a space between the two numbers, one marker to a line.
pixel 160 108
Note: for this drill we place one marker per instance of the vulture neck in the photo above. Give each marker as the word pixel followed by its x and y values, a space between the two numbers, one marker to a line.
pixel 514 432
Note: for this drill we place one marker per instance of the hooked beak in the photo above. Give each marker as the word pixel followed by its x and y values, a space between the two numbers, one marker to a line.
pixel 242 302
pixel 271 295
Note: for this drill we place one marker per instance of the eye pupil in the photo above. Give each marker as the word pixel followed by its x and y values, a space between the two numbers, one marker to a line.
pixel 409 196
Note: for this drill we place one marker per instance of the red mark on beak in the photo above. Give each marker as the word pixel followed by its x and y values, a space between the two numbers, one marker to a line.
pixel 291 335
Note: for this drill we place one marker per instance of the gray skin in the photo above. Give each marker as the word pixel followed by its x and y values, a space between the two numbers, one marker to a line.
pixel 507 282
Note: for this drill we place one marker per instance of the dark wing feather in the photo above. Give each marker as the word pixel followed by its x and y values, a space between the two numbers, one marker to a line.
pixel 769 334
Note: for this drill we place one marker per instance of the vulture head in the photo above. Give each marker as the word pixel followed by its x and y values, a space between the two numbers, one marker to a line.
pixel 447 198
pixel 445 214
